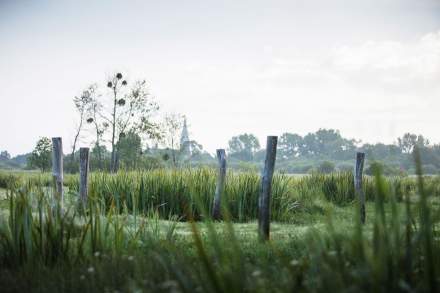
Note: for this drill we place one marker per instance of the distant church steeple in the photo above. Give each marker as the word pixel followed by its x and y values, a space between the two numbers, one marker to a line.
pixel 185 145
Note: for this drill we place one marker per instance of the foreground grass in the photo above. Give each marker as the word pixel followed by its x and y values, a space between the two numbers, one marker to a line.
pixel 175 256
pixel 111 246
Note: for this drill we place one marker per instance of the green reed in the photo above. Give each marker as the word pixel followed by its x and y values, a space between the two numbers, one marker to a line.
pixel 175 192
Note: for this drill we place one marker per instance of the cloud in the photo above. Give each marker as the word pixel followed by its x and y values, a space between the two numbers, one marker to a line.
pixel 391 65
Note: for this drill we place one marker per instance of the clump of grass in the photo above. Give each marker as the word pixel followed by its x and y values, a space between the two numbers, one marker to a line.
pixel 36 232
pixel 11 179
pixel 177 192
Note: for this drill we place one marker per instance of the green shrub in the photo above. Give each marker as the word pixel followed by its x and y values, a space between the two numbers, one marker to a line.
pixel 326 167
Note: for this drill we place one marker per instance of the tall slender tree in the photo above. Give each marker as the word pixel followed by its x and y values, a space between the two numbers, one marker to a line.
pixel 172 127
pixel 127 109
pixel 82 104
pixel 99 126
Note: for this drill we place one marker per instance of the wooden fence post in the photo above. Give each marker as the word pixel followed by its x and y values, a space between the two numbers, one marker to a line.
pixel 266 188
pixel 221 157
pixel 360 158
pixel 57 168
pixel 83 174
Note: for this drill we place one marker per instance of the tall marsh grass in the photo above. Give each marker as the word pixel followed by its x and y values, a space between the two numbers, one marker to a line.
pixel 179 192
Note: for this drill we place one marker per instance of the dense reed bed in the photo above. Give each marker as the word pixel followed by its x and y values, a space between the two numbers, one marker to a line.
pixel 181 192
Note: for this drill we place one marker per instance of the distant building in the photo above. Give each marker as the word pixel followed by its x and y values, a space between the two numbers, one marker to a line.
pixel 185 143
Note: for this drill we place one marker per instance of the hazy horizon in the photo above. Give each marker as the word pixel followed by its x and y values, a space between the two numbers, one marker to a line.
pixel 370 69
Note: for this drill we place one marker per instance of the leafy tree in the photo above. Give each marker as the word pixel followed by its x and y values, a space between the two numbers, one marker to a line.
pixel 328 143
pixel 309 145
pixel 244 146
pixel 289 145
pixel 128 109
pixel 100 157
pixel 195 147
pixel 130 149
pixel 4 155
pixel 408 141
pixel 21 160
pixel 192 152
pixel 376 151
pixel 41 156
pixel 430 156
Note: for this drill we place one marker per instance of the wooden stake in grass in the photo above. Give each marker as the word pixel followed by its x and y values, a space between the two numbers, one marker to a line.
pixel 83 174
pixel 266 188
pixel 57 168
pixel 221 157
pixel 360 158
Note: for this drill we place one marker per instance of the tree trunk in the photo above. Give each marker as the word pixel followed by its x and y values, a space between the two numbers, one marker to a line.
pixel 98 147
pixel 97 144
pixel 113 158
pixel 75 141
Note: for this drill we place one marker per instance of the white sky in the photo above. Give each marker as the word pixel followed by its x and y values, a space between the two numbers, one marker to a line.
pixel 368 68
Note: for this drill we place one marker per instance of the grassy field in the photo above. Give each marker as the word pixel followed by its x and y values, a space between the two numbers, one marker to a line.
pixel 116 244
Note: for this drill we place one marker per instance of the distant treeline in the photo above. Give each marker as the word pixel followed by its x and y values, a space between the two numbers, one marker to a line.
pixel 322 151
pixel 326 150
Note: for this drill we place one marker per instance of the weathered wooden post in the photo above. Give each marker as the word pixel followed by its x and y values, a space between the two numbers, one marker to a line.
pixel 360 158
pixel 57 168
pixel 221 157
pixel 266 188
pixel 83 174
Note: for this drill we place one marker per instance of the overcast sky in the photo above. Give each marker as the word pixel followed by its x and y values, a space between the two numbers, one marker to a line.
pixel 368 68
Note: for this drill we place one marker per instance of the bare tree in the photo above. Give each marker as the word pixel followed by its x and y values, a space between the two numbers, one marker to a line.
pixel 100 127
pixel 172 127
pixel 82 104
